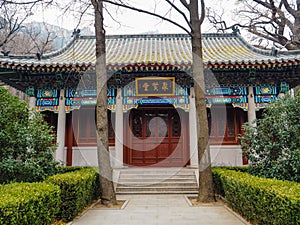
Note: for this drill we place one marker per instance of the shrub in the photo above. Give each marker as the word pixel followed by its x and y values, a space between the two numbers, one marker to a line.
pixel 26 142
pixel 66 169
pixel 29 203
pixel 260 200
pixel 78 189
pixel 273 146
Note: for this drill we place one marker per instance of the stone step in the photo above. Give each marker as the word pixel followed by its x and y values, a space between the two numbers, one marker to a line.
pixel 154 172
pixel 144 190
pixel 155 181
pixel 156 176
pixel 159 184
pixel 156 192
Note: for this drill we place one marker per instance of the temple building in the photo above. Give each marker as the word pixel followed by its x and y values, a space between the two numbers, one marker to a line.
pixel 150 95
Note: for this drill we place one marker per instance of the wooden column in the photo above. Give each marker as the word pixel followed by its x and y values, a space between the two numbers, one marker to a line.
pixel 193 130
pixel 118 161
pixel 69 139
pixel 31 103
pixel 61 128
pixel 251 106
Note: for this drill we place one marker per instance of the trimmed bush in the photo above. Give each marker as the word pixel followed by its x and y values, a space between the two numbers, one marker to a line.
pixel 78 189
pixel 260 200
pixel 235 168
pixel 67 169
pixel 28 203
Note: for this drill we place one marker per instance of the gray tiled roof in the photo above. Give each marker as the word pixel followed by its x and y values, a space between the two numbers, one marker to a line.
pixel 219 50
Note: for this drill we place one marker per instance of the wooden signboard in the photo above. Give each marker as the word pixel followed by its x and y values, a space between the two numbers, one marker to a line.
pixel 155 86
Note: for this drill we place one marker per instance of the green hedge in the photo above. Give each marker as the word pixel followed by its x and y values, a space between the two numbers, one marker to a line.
pixel 78 189
pixel 28 203
pixel 260 200
pixel 236 168
pixel 67 169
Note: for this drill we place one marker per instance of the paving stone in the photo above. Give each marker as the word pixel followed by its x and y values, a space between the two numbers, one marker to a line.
pixel 160 210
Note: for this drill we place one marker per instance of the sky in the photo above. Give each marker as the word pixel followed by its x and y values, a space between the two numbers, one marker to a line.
pixel 130 22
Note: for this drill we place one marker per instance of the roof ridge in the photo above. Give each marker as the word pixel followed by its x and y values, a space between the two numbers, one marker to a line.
pixel 159 35
pixel 289 52
pixel 253 48
pixel 61 50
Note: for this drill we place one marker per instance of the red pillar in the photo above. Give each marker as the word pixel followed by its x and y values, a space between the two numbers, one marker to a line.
pixel 69 139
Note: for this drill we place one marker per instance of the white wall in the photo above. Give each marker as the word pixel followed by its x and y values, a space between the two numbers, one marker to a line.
pixel 221 155
pixel 226 155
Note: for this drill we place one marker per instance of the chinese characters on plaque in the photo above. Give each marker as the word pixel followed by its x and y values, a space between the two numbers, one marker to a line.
pixel 155 86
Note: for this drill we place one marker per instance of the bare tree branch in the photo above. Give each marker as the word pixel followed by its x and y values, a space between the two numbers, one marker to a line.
pixel 149 13
pixel 181 12
pixel 202 11
pixel 112 17
pixel 24 2
pixel 289 8
pixel 185 4
pixel 280 19
pixel 82 13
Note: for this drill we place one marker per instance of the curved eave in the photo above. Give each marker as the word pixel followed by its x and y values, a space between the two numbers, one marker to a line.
pixel 269 64
pixel 55 68
pixel 45 68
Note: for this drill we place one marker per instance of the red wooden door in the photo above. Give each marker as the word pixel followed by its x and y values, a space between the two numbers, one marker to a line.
pixel 157 137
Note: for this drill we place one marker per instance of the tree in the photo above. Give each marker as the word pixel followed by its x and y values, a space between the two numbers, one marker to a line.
pixel 13 15
pixel 206 192
pixel 32 39
pixel 272 22
pixel 10 23
pixel 273 146
pixel 194 23
pixel 26 142
pixel 107 190
pixel 108 196
pixel 39 41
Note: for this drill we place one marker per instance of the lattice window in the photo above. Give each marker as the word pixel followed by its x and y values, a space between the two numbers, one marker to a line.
pixel 176 124
pixel 85 126
pixel 137 123
pixel 111 121
pixel 162 121
pixel 150 123
pixel 222 124
pixel 230 123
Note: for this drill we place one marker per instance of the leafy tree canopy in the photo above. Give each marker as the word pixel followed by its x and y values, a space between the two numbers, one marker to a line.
pixel 26 142
pixel 273 146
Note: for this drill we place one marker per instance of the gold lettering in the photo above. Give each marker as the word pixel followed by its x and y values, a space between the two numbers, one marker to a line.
pixel 164 86
pixel 146 86
pixel 155 86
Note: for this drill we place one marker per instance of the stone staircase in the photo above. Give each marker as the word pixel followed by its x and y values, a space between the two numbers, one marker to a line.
pixel 157 181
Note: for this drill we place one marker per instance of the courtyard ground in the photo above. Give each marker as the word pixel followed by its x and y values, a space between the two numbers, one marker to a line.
pixel 160 210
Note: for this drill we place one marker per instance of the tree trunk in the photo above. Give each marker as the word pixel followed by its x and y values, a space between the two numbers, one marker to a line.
pixel 206 192
pixel 108 196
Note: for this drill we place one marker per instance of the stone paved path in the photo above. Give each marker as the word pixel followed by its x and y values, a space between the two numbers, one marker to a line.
pixel 160 210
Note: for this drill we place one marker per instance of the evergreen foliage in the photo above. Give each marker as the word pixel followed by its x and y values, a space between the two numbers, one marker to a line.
pixel 26 142
pixel 273 146
pixel 29 203
pixel 261 201
pixel 78 189
pixel 59 197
